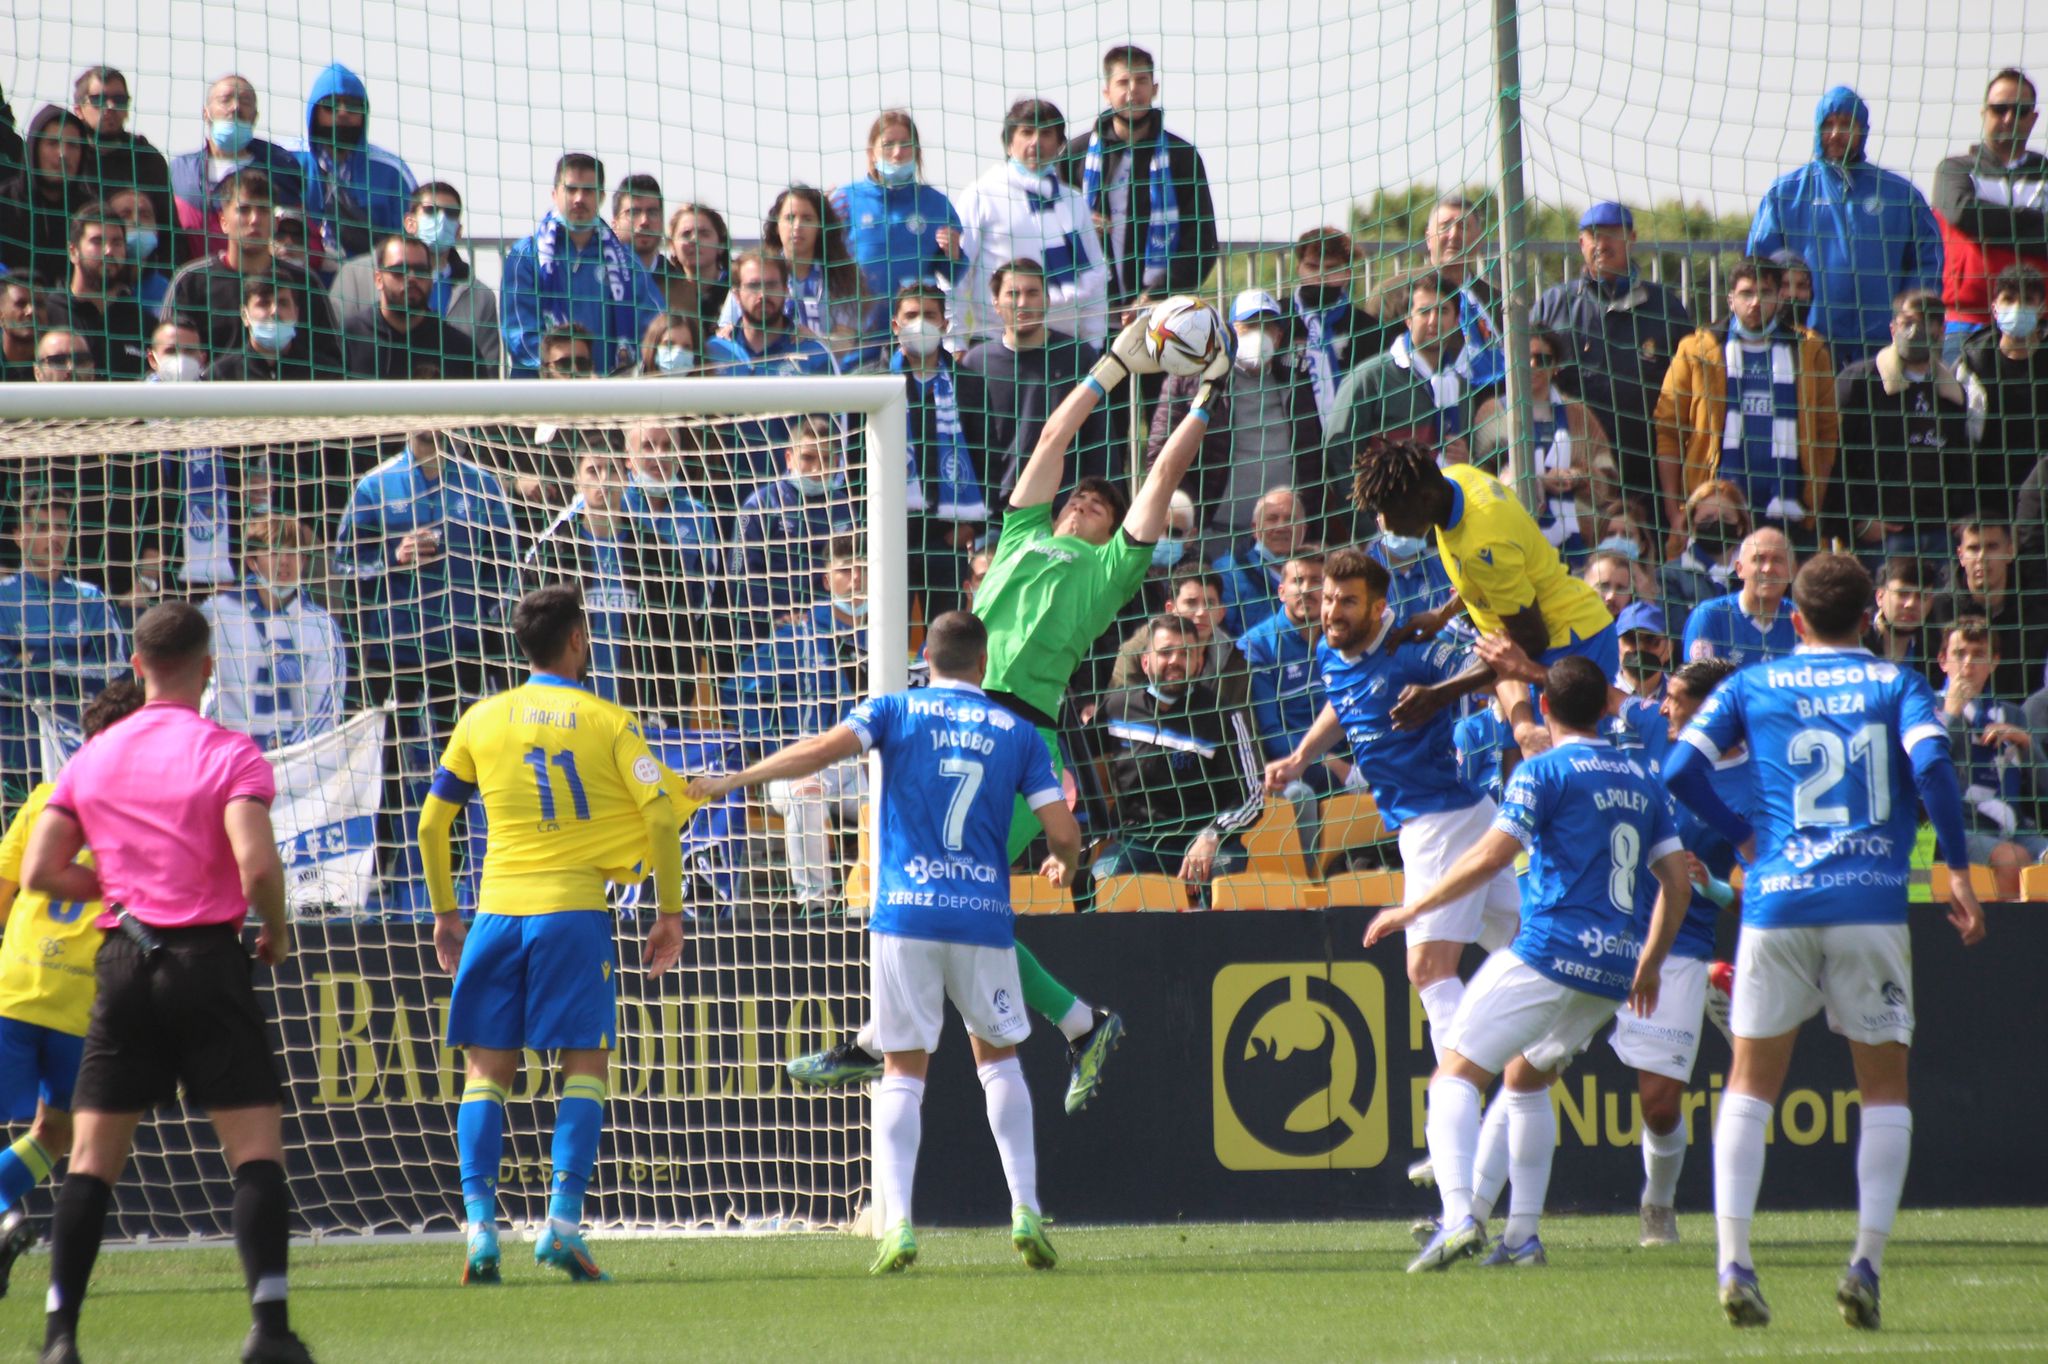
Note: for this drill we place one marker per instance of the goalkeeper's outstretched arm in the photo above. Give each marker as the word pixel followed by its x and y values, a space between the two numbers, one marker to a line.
pixel 1145 522
pixel 1047 467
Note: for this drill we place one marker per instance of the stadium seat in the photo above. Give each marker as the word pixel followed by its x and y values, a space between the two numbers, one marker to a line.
pixel 1274 843
pixel 1253 890
pixel 1369 888
pixel 1350 820
pixel 2034 882
pixel 857 890
pixel 1036 895
pixel 1123 894
pixel 1982 880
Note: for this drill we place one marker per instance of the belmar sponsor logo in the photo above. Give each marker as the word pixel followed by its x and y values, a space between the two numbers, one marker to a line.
pixel 925 870
pixel 1299 1064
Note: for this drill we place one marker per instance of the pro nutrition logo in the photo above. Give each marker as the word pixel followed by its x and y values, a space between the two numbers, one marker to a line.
pixel 1299 1065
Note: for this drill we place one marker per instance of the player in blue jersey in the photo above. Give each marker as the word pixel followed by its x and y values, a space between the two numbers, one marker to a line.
pixel 1839 741
pixel 1595 931
pixel 1413 773
pixel 954 765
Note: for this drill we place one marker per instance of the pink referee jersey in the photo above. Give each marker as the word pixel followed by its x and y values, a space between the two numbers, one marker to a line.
pixel 150 795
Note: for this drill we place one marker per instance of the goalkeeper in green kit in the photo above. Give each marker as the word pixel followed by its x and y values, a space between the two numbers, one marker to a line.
pixel 1056 583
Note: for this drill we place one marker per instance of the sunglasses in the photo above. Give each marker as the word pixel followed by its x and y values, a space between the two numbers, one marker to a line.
pixel 2017 108
pixel 70 359
pixel 108 101
pixel 576 366
pixel 408 271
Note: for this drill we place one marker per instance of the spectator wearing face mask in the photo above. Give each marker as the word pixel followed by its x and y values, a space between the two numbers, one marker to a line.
pixel 273 345
pixel 784 526
pixel 1991 204
pixel 670 347
pixel 228 143
pixel 188 504
pixel 899 229
pixel 948 507
pixel 1569 442
pixel 1714 521
pixel 211 290
pixel 1907 469
pixel 1263 428
pixel 574 268
pixel 355 190
pixel 1645 651
pixel 2004 371
pixel 402 337
pixel 1867 232
pixel 124 159
pixel 433 217
pixel 1022 210
pixel 1416 577
pixel 1753 404
pixel 148 282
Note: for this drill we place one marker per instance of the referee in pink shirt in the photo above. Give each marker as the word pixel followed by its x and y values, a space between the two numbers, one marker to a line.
pixel 177 813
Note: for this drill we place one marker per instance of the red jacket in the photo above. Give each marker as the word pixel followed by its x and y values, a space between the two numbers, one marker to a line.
pixel 1991 215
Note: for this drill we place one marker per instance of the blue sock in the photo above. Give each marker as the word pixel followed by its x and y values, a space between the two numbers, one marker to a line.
pixel 480 1145
pixel 579 1121
pixel 22 1166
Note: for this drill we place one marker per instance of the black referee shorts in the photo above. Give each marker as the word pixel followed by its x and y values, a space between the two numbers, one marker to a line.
pixel 191 1017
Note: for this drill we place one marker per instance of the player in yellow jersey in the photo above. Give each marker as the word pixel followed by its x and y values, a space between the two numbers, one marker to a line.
pixel 46 994
pixel 1506 577
pixel 573 798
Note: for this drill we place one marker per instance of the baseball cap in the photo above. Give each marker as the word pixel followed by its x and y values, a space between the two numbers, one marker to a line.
pixel 1607 213
pixel 1641 615
pixel 1251 303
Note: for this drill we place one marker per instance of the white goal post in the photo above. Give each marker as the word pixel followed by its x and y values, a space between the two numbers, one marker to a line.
pixel 704 1131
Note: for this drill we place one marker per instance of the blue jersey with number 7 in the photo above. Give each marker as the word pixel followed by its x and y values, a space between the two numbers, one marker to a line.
pixel 1593 822
pixel 1830 733
pixel 953 764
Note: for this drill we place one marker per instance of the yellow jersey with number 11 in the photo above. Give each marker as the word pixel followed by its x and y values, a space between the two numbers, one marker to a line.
pixel 564 775
pixel 1497 559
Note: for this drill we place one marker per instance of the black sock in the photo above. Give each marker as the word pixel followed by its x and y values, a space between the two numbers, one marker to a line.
pixel 75 1232
pixel 263 1226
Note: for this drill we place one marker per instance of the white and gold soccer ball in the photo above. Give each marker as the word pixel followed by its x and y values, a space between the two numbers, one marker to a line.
pixel 1183 334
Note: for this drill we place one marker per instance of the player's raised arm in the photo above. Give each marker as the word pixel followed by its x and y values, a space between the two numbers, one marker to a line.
pixel 1321 736
pixel 1146 520
pixel 800 759
pixel 1043 473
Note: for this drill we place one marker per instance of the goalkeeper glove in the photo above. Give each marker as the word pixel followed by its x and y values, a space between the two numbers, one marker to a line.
pixel 1218 366
pixel 1125 356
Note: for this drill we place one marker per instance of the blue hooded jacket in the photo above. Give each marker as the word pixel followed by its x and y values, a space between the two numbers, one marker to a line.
pixel 1866 234
pixel 378 182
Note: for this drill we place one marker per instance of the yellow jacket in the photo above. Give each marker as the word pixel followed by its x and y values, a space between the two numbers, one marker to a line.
pixel 1693 405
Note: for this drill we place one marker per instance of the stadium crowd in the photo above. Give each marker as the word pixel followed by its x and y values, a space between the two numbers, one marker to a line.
pixel 1874 378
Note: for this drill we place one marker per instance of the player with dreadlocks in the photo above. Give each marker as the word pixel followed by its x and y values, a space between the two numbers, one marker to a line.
pixel 1504 575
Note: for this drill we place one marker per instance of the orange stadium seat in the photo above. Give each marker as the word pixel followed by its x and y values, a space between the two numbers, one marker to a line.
pixel 1036 895
pixel 1255 890
pixel 1369 888
pixel 1124 894
pixel 1350 820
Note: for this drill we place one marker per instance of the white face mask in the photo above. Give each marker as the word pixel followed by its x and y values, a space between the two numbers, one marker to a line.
pixel 179 369
pixel 674 359
pixel 1254 348
pixel 920 338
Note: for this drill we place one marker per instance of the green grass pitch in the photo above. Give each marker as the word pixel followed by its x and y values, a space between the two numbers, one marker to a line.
pixel 1960 1285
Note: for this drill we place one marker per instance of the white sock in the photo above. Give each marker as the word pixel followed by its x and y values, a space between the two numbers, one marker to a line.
pixel 1078 1023
pixel 1532 1144
pixel 1009 1117
pixel 1663 1159
pixel 899 1127
pixel 1490 1167
pixel 1440 999
pixel 1453 1130
pixel 867 1039
pixel 1881 1151
pixel 1738 1173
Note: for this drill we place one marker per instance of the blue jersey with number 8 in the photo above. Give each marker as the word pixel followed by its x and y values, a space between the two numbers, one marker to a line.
pixel 1593 821
pixel 953 765
pixel 1835 807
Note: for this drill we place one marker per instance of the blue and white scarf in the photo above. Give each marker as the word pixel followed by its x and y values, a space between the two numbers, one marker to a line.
pixel 1323 326
pixel 949 468
pixel 622 328
pixel 1446 389
pixel 209 518
pixel 1557 517
pixel 1163 229
pixel 1784 419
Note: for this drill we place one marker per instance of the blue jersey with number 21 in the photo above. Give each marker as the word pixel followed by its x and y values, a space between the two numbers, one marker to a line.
pixel 953 765
pixel 1593 821
pixel 1830 734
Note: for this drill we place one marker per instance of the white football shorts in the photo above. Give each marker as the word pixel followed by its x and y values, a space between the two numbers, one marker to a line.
pixel 912 978
pixel 1511 1009
pixel 1862 974
pixel 1429 845
pixel 1668 1041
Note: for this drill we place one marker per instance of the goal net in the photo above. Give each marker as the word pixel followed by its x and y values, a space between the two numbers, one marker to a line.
pixel 358 550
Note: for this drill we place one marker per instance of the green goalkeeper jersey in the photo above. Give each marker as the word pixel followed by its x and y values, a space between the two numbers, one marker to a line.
pixel 1047 598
